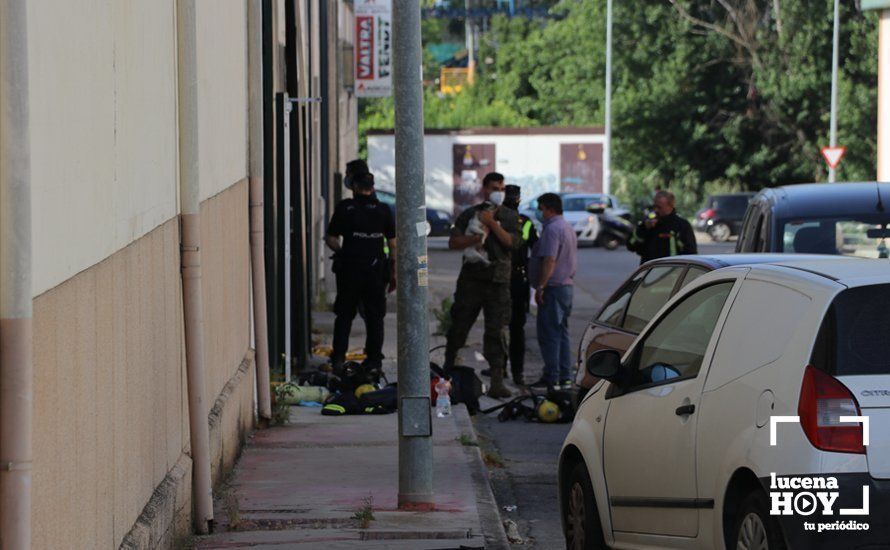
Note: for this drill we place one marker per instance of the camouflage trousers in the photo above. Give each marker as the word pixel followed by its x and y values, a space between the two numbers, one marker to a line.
pixel 493 300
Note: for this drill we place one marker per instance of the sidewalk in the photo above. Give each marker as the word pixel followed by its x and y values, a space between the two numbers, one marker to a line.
pixel 300 485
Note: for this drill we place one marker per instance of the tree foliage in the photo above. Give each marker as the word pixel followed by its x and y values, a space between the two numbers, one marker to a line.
pixel 707 94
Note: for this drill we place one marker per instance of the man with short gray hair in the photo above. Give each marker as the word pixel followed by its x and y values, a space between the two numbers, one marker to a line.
pixel 667 234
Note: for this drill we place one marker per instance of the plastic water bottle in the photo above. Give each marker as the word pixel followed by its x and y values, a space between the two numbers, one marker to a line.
pixel 443 399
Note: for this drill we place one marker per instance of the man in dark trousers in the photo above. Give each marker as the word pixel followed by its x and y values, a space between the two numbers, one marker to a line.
pixel 552 269
pixel 363 270
pixel 665 235
pixel 485 286
pixel 520 291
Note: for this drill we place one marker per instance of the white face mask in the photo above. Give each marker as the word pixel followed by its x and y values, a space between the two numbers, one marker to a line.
pixel 497 197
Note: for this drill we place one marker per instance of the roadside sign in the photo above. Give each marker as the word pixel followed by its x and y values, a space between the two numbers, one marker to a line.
pixel 373 48
pixel 833 155
pixel 869 5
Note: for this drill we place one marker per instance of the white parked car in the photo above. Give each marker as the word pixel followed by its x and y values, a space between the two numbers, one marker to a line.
pixel 576 211
pixel 672 449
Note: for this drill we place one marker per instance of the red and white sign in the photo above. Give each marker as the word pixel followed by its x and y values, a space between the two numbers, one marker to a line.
pixel 373 48
pixel 833 155
pixel 364 48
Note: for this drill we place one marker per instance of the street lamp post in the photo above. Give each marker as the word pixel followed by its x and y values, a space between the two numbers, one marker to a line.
pixel 415 423
pixel 607 145
pixel 832 139
pixel 883 84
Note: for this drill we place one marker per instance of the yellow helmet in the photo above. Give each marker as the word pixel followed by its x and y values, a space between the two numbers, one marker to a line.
pixel 363 389
pixel 548 411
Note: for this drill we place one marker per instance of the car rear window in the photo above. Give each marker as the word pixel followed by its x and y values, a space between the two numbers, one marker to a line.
pixel 846 236
pixel 579 204
pixel 853 338
pixel 732 205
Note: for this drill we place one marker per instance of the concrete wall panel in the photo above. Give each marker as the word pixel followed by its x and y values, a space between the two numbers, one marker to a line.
pixel 226 260
pixel 103 135
pixel 103 372
pixel 530 161
pixel 222 89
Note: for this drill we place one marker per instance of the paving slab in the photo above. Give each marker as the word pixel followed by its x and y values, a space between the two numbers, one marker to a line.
pixel 301 485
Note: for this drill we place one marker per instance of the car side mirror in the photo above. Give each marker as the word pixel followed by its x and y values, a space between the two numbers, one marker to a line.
pixel 605 364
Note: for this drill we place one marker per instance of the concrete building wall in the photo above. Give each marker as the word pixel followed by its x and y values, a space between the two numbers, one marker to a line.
pixel 222 89
pixel 110 408
pixel 103 135
pixel 527 159
pixel 111 436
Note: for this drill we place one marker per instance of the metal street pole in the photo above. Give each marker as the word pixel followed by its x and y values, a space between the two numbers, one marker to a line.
pixel 832 139
pixel 883 84
pixel 607 146
pixel 884 97
pixel 415 423
pixel 471 44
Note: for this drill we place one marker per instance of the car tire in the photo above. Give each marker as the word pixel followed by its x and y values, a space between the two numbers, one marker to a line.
pixel 720 232
pixel 755 528
pixel 583 530
pixel 610 242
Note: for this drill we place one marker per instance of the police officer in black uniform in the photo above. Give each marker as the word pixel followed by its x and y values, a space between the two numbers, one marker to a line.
pixel 364 272
pixel 519 286
pixel 354 167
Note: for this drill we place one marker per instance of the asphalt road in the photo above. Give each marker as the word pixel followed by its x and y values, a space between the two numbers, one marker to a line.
pixel 529 450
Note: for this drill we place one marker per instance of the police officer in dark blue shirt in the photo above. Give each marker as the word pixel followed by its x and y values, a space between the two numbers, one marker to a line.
pixel 361 232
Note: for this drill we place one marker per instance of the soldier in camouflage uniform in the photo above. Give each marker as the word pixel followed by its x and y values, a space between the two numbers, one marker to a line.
pixel 483 287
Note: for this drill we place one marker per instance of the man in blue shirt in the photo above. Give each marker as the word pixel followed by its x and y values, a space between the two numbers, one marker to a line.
pixel 552 270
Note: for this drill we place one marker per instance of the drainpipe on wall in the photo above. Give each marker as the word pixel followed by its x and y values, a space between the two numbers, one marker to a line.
pixel 190 254
pixel 257 235
pixel 16 360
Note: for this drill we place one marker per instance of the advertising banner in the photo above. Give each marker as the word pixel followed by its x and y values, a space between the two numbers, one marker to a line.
pixel 373 48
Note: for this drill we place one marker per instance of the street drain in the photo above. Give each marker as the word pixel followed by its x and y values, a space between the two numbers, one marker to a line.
pixel 271 524
pixel 415 535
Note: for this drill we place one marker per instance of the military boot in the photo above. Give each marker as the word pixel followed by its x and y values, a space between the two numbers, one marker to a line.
pixel 498 390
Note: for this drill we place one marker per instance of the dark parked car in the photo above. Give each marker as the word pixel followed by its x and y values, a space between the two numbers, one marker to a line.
pixel 439 220
pixel 722 215
pixel 823 218
pixel 641 296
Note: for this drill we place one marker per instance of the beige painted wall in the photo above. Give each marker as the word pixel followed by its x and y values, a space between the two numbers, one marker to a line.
pixel 109 402
pixel 104 123
pixel 110 394
pixel 226 279
pixel 103 135
pixel 222 89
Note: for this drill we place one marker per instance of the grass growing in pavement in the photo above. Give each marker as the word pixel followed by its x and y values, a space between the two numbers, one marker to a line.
pixel 365 514
pixel 492 459
pixel 467 440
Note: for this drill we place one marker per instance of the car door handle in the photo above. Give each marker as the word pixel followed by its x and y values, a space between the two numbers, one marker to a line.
pixel 684 410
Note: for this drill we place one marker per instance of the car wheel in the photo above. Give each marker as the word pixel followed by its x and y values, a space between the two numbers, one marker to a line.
pixel 755 529
pixel 583 530
pixel 720 232
pixel 610 243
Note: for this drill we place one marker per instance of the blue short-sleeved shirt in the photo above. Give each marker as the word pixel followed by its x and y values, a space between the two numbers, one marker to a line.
pixel 558 240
